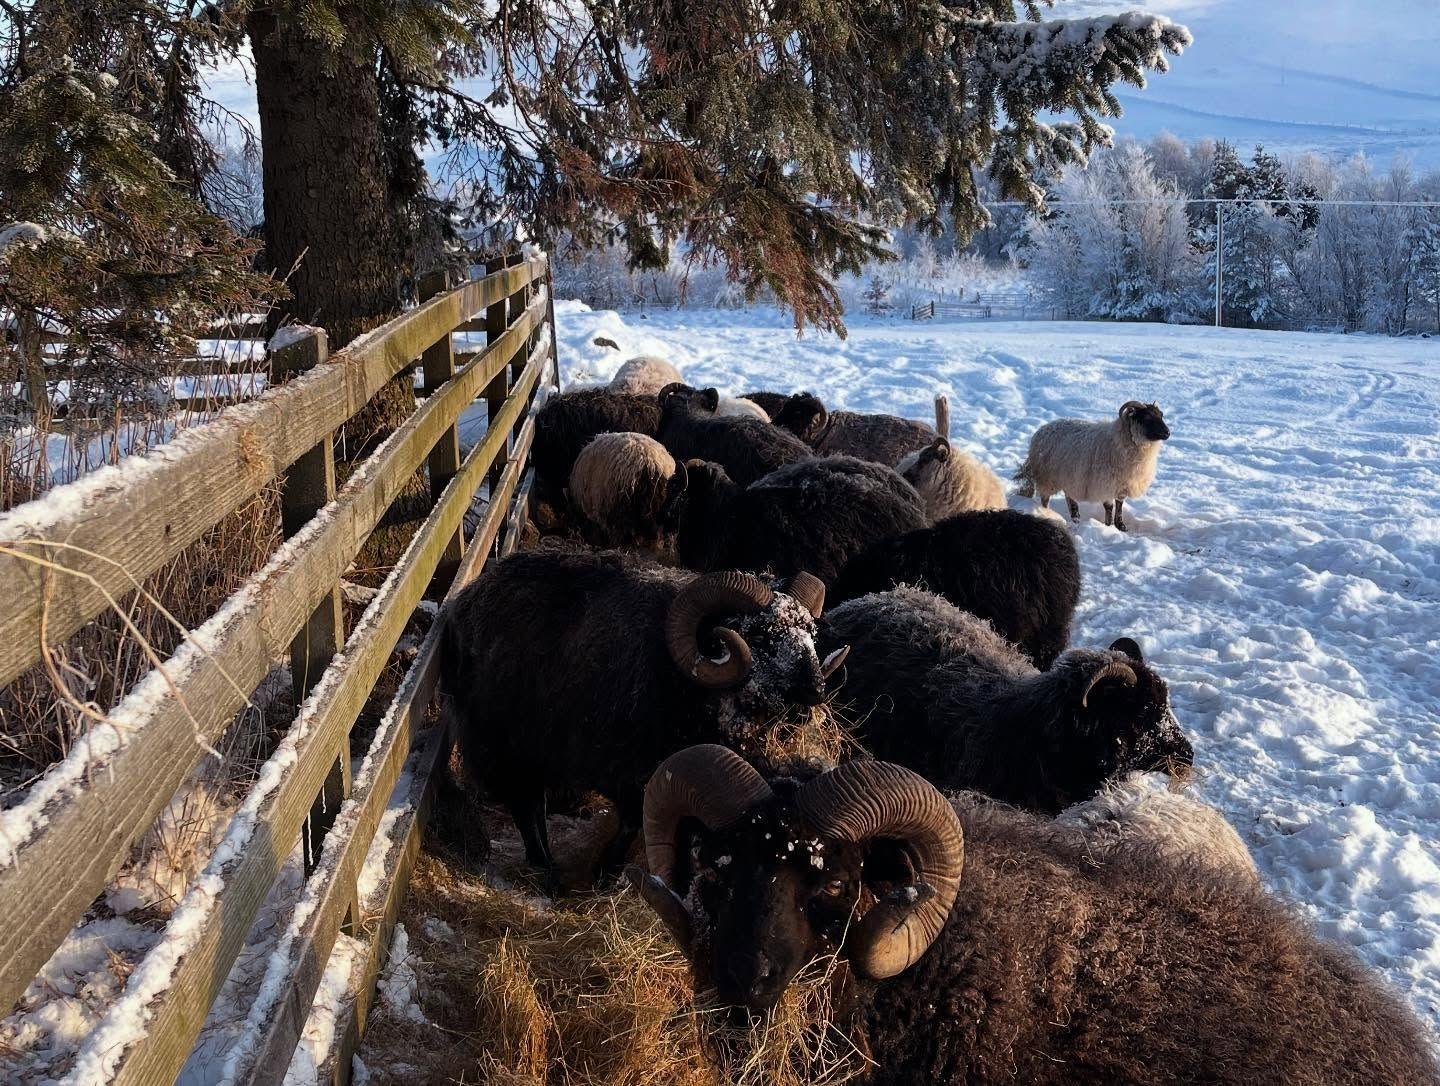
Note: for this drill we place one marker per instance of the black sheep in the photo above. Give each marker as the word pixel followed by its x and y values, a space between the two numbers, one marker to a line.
pixel 937 690
pixel 570 669
pixel 745 447
pixel 814 516
pixel 1019 572
pixel 770 402
pixel 564 426
pixel 983 948
pixel 885 439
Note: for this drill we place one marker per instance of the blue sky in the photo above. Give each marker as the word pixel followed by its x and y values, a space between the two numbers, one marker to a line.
pixel 1335 76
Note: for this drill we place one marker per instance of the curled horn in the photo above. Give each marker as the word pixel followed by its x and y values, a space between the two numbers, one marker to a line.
pixel 707 782
pixel 1113 670
pixel 809 590
pixel 1129 407
pixel 707 595
pixel 860 801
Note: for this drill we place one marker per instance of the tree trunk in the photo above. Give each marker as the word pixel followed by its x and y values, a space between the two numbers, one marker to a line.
pixel 326 212
pixel 329 228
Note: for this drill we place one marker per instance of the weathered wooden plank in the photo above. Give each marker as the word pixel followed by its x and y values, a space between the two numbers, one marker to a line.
pixel 198 976
pixel 116 528
pixel 334 882
pixel 84 840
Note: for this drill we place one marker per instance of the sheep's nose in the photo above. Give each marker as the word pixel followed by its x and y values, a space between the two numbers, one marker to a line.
pixel 806 692
pixel 764 989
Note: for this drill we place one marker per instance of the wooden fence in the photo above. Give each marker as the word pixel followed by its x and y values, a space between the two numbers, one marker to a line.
pixel 63 562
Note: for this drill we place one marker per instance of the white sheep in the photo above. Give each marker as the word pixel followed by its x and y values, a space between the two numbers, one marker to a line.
pixel 1140 817
pixel 739 407
pixel 644 375
pixel 1104 462
pixel 624 487
pixel 951 480
pixel 1135 822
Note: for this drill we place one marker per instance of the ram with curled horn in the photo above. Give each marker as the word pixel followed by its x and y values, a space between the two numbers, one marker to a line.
pixel 977 944
pixel 567 671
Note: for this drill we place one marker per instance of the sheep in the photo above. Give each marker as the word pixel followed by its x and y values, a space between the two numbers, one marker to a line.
pixel 564 426
pixel 951 480
pixel 769 402
pixel 814 515
pixel 625 489
pixel 745 447
pixel 644 375
pixel 1136 817
pixel 936 689
pixel 885 439
pixel 571 669
pixel 740 407
pixel 1104 462
pixel 987 950
pixel 1019 572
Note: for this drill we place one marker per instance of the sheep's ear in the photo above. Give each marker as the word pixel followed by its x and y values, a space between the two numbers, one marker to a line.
pixel 1129 646
pixel 675 491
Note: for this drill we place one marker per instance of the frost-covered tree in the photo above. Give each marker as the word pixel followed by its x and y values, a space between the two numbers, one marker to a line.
pixel 1117 244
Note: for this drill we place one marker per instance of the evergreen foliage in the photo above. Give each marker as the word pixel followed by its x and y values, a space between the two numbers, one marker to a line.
pixel 106 244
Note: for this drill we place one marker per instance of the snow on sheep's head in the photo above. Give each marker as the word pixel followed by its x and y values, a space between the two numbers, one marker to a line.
pixel 753 644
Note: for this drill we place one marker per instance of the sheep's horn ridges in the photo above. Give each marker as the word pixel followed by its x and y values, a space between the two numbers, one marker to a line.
pixel 707 782
pixel 706 596
pixel 863 800
pixel 809 590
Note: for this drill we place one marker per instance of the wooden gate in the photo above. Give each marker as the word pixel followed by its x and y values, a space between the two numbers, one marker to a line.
pixel 65 559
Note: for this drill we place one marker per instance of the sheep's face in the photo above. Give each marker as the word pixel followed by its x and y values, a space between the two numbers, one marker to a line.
pixel 804 416
pixel 785 671
pixel 927 469
pixel 680 397
pixel 1113 725
pixel 1145 421
pixel 769 896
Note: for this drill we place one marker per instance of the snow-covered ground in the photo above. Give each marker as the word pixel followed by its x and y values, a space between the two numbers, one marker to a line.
pixel 1283 573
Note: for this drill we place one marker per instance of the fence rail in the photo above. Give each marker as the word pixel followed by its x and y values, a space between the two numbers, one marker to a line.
pixel 70 556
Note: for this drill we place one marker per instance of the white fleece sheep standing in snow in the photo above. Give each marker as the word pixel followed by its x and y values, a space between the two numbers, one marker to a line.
pixel 1104 462
pixel 644 375
pixel 624 487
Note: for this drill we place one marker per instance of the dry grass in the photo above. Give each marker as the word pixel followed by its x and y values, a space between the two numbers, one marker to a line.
pixel 584 992
pixel 97 666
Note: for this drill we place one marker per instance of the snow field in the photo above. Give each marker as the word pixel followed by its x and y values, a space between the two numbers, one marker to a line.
pixel 1283 573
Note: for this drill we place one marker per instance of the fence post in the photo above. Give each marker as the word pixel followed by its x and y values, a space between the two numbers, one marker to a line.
pixel 499 387
pixel 517 304
pixel 1219 263
pixel 437 365
pixel 307 486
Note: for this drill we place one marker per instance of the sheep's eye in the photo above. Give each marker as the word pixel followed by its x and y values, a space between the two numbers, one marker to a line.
pixel 833 888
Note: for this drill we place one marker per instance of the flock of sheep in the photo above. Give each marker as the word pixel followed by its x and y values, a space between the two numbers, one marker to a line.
pixel 1013 898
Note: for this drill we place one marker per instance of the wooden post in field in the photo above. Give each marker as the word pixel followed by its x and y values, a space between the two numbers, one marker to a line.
pixel 499 388
pixel 438 366
pixel 307 486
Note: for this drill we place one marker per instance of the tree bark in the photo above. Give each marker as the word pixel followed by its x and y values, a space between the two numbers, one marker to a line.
pixel 329 228
pixel 326 210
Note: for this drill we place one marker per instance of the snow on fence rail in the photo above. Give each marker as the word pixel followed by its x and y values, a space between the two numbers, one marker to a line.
pixel 62 843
